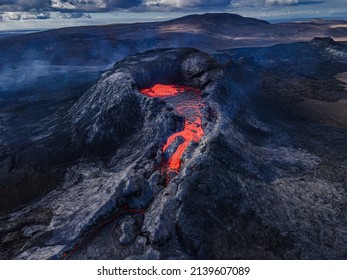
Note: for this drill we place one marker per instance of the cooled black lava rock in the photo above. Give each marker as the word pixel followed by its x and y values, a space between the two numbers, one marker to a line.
pixel 99 123
pixel 106 146
pixel 250 189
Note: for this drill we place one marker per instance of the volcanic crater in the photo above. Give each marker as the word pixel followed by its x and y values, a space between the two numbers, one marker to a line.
pixel 178 154
pixel 137 134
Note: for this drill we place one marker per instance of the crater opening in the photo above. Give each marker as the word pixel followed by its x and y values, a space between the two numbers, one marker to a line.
pixel 187 102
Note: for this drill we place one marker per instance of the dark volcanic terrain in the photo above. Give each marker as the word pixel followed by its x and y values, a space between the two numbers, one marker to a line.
pixel 87 171
pixel 107 44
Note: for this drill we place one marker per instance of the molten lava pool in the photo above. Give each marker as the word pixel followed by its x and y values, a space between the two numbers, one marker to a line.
pixel 187 102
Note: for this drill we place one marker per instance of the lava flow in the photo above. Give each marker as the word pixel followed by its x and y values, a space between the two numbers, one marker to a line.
pixel 187 102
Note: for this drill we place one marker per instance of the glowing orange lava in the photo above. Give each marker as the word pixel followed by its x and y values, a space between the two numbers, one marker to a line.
pixel 187 102
pixel 162 91
pixel 192 132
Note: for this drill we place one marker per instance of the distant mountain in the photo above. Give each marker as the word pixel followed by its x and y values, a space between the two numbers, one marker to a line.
pixel 105 44
pixel 217 19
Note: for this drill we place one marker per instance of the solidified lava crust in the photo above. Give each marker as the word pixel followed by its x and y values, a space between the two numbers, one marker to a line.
pixel 187 103
pixel 263 184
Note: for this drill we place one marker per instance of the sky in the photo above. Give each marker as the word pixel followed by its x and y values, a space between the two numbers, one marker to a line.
pixel 45 14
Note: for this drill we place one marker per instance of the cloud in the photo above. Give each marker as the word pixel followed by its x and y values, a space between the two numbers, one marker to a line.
pixel 94 5
pixel 67 5
pixel 185 3
pixel 22 16
pixel 106 5
pixel 24 5
pixel 147 5
pixel 294 2
pixel 282 2
pixel 275 4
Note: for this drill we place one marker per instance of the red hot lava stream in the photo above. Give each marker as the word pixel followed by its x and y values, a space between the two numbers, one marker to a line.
pixel 187 102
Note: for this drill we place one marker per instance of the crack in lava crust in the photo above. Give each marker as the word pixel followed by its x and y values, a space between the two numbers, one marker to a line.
pixel 187 102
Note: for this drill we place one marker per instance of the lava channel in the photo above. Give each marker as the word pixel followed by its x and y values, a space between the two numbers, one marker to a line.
pixel 187 102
